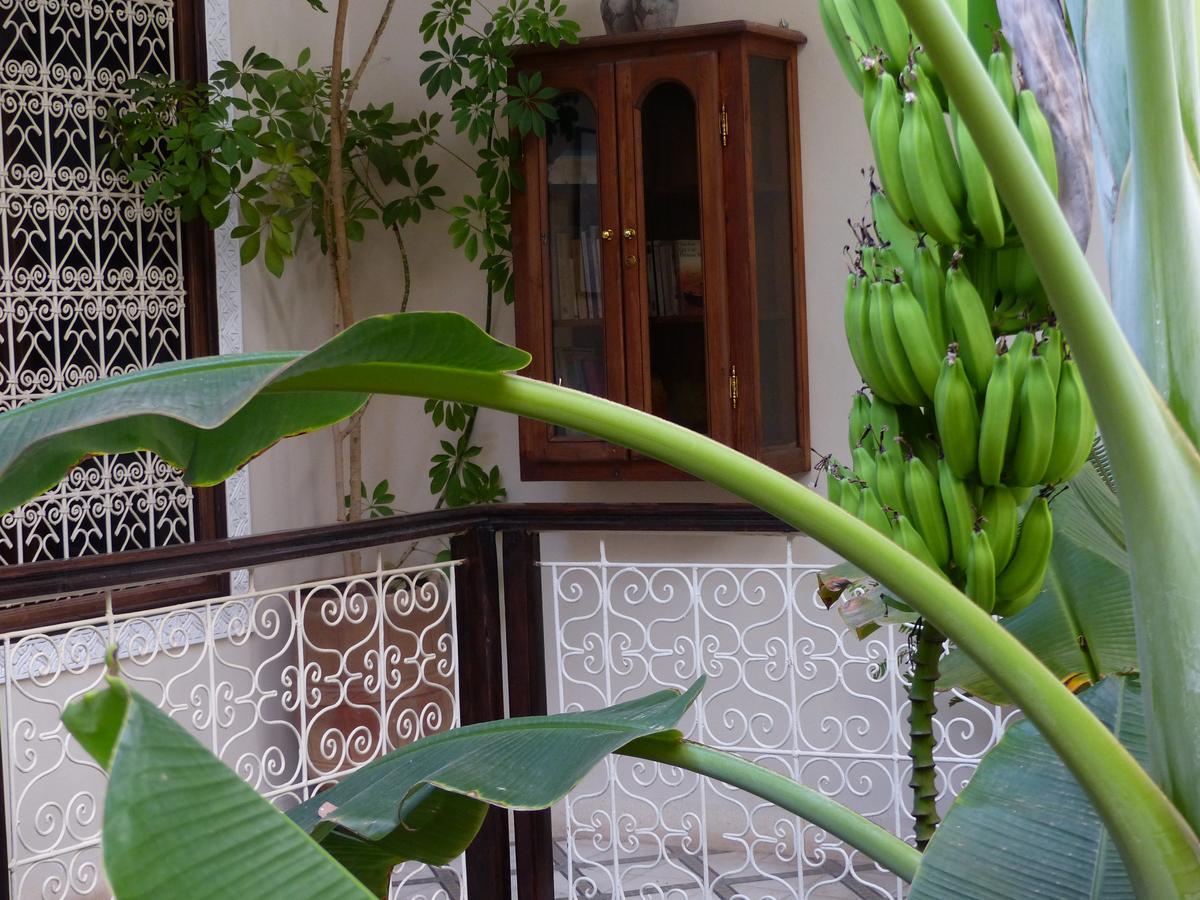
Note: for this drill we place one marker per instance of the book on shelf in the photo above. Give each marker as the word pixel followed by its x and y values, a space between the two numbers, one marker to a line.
pixel 580 369
pixel 675 277
pixel 576 275
pixel 689 273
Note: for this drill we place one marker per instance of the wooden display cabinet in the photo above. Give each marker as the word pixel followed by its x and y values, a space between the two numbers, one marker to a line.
pixel 658 243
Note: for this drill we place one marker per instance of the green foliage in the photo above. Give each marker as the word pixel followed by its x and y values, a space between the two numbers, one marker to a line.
pixel 206 805
pixel 1023 827
pixel 425 801
pixel 257 136
pixel 377 504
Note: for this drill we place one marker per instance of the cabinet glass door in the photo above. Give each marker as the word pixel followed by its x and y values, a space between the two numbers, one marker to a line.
pixel 774 246
pixel 672 239
pixel 574 226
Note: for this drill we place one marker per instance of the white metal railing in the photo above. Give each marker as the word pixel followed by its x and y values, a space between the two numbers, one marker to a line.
pixel 295 686
pixel 292 687
pixel 788 686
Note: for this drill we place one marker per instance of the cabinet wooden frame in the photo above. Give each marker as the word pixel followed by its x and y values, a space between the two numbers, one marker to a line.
pixel 713 62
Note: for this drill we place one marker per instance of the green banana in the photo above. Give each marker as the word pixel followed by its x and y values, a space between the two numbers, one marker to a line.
pixel 843 44
pixel 863 458
pixel 834 486
pixel 885 131
pixel 1074 427
pixel 849 498
pixel 871 512
pixel 925 507
pixel 924 357
pixel 899 237
pixel 1000 71
pixel 918 428
pixel 886 340
pixel 889 481
pixel 860 416
pixel 1038 138
pixel 994 423
pixel 884 419
pixel 943 145
pixel 1021 352
pixel 907 537
pixel 960 512
pixel 932 205
pixel 957 416
pixel 858 337
pixel 981 571
pixel 895 30
pixel 870 66
pixel 1019 583
pixel 1000 515
pixel 983 203
pixel 1051 350
pixel 929 284
pixel 970 325
pixel 1035 430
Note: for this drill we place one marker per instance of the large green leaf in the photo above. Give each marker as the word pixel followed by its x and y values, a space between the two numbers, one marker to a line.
pixel 1022 827
pixel 423 802
pixel 1082 623
pixel 1143 81
pixel 178 823
pixel 527 763
pixel 209 416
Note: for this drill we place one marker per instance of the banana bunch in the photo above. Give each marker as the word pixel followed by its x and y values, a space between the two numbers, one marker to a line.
pixel 960 420
pixel 868 29
pixel 973 409
pixel 931 169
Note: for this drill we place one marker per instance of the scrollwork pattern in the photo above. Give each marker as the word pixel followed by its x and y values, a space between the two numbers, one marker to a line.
pixel 292 687
pixel 788 686
pixel 91 278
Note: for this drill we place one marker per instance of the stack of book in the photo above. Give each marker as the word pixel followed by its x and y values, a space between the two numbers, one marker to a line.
pixel 675 276
pixel 575 272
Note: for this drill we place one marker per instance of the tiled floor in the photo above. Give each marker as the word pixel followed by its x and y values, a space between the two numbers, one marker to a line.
pixel 677 880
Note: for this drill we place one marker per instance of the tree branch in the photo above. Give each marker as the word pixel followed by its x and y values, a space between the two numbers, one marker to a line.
pixel 380 28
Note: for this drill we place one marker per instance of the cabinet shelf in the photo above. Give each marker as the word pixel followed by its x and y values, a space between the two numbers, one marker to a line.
pixel 647 161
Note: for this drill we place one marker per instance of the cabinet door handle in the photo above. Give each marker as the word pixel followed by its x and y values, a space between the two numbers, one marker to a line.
pixel 629 234
pixel 631 260
pixel 607 234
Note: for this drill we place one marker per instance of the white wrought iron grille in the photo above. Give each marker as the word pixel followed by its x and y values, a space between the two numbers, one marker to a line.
pixel 292 687
pixel 788 686
pixel 91 279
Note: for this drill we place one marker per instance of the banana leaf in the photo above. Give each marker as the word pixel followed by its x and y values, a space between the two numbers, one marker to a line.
pixel 178 823
pixel 1147 139
pixel 1082 622
pixel 210 416
pixel 1022 827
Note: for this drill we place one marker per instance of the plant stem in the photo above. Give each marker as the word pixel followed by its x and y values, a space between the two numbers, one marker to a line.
pixel 1160 850
pixel 1156 465
pixel 380 28
pixel 922 707
pixel 882 846
pixel 340 249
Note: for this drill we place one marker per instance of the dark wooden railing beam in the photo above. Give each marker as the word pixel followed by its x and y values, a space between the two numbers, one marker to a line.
pixel 60 578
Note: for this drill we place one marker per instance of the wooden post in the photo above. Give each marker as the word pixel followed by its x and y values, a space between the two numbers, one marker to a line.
pixel 481 690
pixel 523 628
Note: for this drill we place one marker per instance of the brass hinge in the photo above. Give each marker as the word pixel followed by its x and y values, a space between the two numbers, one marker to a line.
pixel 724 127
pixel 733 386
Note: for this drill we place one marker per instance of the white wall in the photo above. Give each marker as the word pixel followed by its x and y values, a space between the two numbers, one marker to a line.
pixel 291 485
